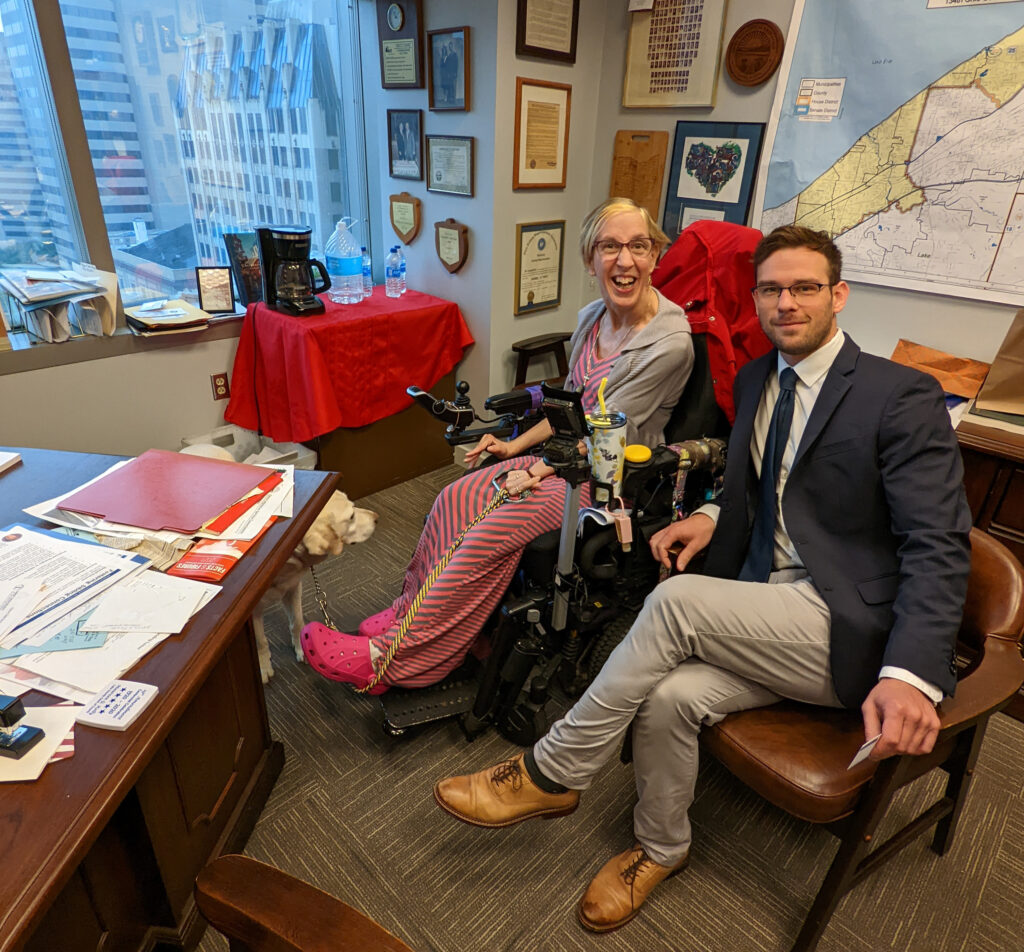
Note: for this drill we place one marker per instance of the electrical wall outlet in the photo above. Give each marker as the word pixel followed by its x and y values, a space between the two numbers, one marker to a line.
pixel 219 382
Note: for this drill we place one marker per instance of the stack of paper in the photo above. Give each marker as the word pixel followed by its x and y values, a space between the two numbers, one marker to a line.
pixel 51 300
pixel 165 317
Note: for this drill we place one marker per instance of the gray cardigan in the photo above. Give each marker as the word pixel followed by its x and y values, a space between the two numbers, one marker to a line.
pixel 647 378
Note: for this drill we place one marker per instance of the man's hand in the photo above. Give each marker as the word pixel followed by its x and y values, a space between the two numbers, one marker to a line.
pixel 694 532
pixel 905 718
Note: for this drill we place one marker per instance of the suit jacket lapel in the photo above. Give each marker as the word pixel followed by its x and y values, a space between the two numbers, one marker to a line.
pixel 832 392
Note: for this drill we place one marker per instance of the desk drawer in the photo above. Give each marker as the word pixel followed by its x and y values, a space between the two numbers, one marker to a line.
pixel 193 785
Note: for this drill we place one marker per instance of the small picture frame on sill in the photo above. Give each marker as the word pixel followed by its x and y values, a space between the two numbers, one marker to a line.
pixel 214 288
pixel 405 143
pixel 448 61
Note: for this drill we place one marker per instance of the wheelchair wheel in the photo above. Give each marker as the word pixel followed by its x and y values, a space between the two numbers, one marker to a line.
pixel 608 640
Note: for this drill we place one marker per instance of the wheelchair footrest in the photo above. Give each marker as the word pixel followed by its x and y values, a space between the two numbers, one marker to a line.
pixel 404 709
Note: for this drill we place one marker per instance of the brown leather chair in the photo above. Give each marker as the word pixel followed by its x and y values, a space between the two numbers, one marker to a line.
pixel 262 909
pixel 796 755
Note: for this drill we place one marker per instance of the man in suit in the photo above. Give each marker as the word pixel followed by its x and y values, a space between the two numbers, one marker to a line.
pixel 836 579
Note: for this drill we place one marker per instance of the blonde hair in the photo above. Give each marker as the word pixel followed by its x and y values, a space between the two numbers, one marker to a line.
pixel 594 222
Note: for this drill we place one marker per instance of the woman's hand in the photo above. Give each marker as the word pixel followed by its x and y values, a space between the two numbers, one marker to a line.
pixel 490 444
pixel 518 481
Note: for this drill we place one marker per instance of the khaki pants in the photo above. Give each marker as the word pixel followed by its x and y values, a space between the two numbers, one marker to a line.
pixel 701 648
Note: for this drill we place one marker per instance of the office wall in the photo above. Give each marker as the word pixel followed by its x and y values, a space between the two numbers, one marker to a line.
pixel 127 404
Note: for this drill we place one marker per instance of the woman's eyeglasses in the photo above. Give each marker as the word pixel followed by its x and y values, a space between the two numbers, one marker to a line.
pixel 610 248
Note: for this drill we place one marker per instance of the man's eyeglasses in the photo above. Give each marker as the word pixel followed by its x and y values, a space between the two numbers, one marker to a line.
pixel 610 248
pixel 803 291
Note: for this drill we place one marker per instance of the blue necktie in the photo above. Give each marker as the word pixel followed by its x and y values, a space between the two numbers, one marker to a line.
pixel 761 553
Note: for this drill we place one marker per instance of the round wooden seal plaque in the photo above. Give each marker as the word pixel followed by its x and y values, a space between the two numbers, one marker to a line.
pixel 754 52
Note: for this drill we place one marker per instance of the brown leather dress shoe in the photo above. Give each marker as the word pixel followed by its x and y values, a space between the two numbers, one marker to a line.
pixel 501 796
pixel 618 891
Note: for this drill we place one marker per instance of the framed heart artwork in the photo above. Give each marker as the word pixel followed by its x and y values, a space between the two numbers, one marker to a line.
pixel 712 173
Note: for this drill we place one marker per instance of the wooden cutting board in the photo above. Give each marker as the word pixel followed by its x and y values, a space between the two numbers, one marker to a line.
pixel 638 167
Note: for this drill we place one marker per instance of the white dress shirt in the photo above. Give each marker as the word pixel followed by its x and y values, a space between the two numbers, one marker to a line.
pixel 811 373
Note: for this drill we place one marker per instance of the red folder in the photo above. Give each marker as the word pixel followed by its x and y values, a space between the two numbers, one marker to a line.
pixel 165 490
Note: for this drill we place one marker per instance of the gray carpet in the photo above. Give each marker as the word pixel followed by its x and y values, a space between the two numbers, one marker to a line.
pixel 353 813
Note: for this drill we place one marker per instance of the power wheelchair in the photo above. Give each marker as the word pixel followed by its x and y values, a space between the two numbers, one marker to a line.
pixel 572 599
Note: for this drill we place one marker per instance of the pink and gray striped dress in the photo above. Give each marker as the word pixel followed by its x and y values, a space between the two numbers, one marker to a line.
pixel 462 598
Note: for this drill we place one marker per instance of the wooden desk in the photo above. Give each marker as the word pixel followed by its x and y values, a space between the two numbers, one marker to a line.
pixel 994 480
pixel 101 851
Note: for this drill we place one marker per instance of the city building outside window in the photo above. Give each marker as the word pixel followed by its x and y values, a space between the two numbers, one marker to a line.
pixel 240 83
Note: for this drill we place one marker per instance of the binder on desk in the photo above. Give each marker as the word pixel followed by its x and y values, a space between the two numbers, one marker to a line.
pixel 165 490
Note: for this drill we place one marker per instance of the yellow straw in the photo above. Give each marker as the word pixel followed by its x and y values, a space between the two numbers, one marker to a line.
pixel 600 395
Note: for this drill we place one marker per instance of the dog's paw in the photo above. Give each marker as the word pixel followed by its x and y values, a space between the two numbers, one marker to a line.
pixel 266 670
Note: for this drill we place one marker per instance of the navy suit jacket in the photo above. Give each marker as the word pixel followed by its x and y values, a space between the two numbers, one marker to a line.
pixel 875 506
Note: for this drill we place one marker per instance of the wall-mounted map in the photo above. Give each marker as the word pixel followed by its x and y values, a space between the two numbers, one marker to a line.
pixel 899 129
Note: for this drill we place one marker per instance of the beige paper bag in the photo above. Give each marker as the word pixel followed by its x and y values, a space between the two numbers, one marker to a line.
pixel 1003 390
pixel 958 375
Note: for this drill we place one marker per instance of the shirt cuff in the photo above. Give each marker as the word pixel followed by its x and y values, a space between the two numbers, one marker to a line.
pixel 928 689
pixel 710 510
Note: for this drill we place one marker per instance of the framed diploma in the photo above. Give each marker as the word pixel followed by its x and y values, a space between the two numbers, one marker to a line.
pixel 451 239
pixel 541 133
pixel 405 216
pixel 539 266
pixel 399 42
pixel 450 164
pixel 547 28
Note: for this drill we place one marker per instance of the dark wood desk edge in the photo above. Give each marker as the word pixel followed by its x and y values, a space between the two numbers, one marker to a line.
pixel 41 890
pixel 988 439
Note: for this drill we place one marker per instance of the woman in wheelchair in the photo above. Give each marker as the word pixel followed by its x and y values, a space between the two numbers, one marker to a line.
pixel 634 337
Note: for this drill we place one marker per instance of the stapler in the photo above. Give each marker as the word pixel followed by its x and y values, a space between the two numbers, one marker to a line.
pixel 15 739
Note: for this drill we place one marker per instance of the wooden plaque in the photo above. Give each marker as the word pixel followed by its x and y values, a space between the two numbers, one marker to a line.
pixel 754 52
pixel 405 216
pixel 638 167
pixel 451 239
pixel 400 44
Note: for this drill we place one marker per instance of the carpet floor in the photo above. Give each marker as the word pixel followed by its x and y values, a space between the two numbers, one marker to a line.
pixel 353 813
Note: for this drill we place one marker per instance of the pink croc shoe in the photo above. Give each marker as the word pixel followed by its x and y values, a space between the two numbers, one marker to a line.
pixel 377 624
pixel 340 657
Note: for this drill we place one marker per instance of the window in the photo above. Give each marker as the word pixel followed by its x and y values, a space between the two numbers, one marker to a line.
pixel 226 79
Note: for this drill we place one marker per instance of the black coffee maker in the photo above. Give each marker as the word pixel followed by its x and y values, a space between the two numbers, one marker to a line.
pixel 288 281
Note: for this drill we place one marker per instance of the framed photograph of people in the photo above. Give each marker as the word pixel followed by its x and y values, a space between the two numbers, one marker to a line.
pixel 448 72
pixel 541 133
pixel 712 173
pixel 539 249
pixel 244 258
pixel 547 29
pixel 450 164
pixel 405 143
pixel 672 55
pixel 214 287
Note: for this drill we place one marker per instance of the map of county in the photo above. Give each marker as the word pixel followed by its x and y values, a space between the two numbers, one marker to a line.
pixel 932 195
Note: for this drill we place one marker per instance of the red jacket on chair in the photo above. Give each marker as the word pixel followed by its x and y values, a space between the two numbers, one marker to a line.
pixel 708 271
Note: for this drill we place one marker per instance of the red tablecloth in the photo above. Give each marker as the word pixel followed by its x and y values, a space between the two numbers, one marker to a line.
pixel 295 378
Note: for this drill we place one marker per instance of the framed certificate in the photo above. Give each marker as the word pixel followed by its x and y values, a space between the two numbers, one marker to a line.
pixel 547 29
pixel 541 133
pixel 450 164
pixel 539 249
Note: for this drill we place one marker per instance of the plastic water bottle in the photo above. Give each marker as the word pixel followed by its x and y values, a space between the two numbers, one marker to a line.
pixel 344 265
pixel 367 273
pixel 392 274
pixel 402 288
